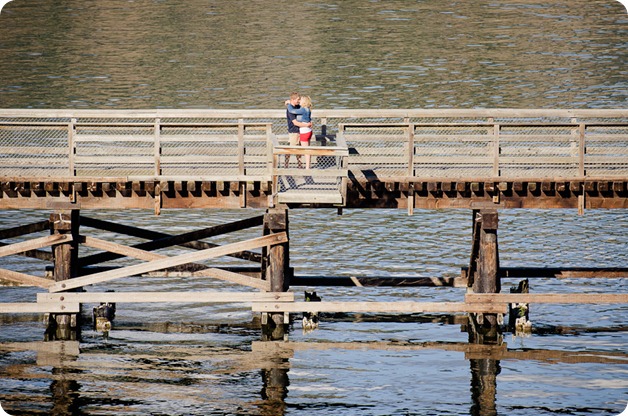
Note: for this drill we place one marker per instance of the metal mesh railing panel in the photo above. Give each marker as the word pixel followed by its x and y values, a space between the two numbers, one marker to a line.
pixel 28 151
pixel 113 151
pixel 606 151
pixel 256 156
pixel 377 151
pixel 199 151
pixel 453 151
pixel 545 151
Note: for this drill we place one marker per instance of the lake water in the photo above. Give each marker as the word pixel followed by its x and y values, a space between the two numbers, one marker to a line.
pixel 197 359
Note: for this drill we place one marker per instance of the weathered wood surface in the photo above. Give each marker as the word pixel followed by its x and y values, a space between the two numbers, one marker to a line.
pixel 558 272
pixel 161 297
pixel 39 307
pixel 168 262
pixel 34 244
pixel 580 298
pixel 166 240
pixel 148 256
pixel 156 235
pixel 379 307
pixel 24 279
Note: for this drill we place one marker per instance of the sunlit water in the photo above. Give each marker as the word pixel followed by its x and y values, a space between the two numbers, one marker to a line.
pixel 197 359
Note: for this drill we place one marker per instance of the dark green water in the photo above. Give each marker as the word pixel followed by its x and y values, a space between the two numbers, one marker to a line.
pixel 348 54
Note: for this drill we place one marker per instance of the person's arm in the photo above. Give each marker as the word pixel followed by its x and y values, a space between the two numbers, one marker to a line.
pixel 302 124
pixel 298 111
pixel 293 110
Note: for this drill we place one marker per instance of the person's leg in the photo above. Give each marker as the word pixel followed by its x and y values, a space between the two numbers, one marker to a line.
pixel 293 139
pixel 305 142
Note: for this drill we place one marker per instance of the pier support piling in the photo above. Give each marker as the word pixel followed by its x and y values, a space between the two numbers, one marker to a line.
pixel 484 270
pixel 63 326
pixel 276 270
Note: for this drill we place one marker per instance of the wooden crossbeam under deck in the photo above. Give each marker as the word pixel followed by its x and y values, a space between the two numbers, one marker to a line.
pixel 148 256
pixel 380 307
pixel 504 298
pixel 153 297
pixel 268 240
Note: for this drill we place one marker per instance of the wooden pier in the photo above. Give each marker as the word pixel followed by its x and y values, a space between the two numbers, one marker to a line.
pixel 70 161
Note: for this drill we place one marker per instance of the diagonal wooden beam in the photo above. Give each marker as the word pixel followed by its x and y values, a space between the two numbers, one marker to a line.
pixel 35 254
pixel 24 229
pixel 24 279
pixel 148 256
pixel 268 240
pixel 34 244
pixel 124 251
pixel 234 278
pixel 163 240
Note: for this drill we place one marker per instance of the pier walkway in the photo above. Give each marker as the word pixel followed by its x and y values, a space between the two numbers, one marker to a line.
pixel 162 159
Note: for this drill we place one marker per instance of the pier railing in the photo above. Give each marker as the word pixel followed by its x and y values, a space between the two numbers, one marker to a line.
pixel 323 182
pixel 487 150
pixel 491 143
pixel 140 149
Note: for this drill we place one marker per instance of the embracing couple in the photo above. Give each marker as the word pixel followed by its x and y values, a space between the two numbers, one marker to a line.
pixel 299 114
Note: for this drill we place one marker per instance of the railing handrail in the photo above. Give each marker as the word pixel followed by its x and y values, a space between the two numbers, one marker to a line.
pixel 317 113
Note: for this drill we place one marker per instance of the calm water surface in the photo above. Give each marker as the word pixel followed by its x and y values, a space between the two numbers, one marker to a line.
pixel 206 359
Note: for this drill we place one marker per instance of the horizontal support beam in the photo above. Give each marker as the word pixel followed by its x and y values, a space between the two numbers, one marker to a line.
pixel 373 281
pixel 559 272
pixel 161 297
pixel 504 298
pixel 378 307
pixel 40 307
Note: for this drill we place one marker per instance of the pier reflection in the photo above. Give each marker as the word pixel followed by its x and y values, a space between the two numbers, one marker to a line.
pixel 186 376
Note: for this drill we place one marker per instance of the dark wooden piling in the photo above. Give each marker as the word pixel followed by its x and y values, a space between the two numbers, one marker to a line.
pixel 485 270
pixel 63 326
pixel 276 270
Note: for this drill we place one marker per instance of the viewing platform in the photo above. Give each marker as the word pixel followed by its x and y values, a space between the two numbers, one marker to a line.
pixel 166 159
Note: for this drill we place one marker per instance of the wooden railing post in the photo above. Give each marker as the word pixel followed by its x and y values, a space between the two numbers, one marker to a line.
pixel 157 148
pixel 241 170
pixel 496 150
pixel 71 146
pixel 65 257
pixel 581 149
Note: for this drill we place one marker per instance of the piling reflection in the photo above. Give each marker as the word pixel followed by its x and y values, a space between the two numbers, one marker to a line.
pixel 188 373
pixel 275 389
